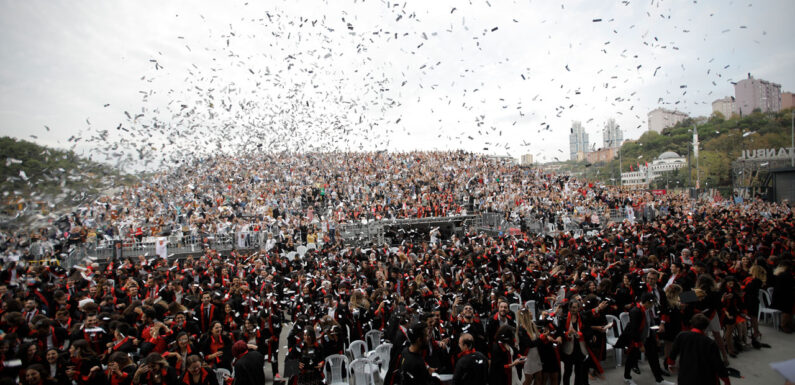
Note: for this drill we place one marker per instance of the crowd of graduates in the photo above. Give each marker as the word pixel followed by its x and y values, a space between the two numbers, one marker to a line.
pixel 445 300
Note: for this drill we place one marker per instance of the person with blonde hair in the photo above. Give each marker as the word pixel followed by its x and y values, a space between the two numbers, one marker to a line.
pixel 528 347
pixel 751 286
pixel 672 319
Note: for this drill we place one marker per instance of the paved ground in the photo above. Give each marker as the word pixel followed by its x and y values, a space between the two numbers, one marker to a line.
pixel 754 365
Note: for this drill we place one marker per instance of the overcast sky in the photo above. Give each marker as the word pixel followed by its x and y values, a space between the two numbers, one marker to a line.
pixel 500 77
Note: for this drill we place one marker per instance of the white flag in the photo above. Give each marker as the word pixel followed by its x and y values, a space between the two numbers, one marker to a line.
pixel 161 247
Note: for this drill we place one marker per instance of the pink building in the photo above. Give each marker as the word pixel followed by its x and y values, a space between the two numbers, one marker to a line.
pixel 750 94
pixel 787 100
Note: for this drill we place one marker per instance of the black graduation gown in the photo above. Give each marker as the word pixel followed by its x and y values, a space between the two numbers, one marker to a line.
pixel 248 369
pixel 413 370
pixel 783 294
pixel 700 363
pixel 471 369
pixel 498 373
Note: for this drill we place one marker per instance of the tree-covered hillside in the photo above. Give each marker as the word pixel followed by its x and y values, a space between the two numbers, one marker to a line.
pixel 721 142
pixel 40 179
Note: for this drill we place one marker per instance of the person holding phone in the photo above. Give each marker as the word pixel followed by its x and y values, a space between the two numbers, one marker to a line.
pixel 310 362
pixel 504 357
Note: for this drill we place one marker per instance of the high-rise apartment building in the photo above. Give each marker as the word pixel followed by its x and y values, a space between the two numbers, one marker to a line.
pixel 611 135
pixel 726 106
pixel 578 141
pixel 751 94
pixel 660 118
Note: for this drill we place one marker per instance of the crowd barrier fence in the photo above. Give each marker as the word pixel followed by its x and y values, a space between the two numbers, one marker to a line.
pixel 357 234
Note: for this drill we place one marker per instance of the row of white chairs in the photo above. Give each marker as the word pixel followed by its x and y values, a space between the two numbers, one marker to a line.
pixel 372 338
pixel 530 305
pixel 340 370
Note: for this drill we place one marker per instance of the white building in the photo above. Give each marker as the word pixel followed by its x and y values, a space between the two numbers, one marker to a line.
pixel 660 118
pixel 527 160
pixel 666 162
pixel 726 106
pixel 612 135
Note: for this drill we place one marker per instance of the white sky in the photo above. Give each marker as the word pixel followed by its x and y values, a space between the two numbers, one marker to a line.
pixel 62 61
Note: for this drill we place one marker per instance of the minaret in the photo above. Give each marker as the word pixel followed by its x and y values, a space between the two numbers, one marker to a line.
pixel 695 154
pixel 695 142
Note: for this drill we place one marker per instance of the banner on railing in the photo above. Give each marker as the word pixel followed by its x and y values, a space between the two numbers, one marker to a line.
pixel 118 246
pixel 161 247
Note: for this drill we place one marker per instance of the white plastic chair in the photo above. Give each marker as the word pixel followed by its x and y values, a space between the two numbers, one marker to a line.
pixel 531 305
pixel 381 357
pixel 612 337
pixel 358 349
pixel 335 370
pixel 301 250
pixel 624 317
pixel 291 255
pixel 515 309
pixel 222 374
pixel 362 372
pixel 373 339
pixel 764 302
pixel 311 246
